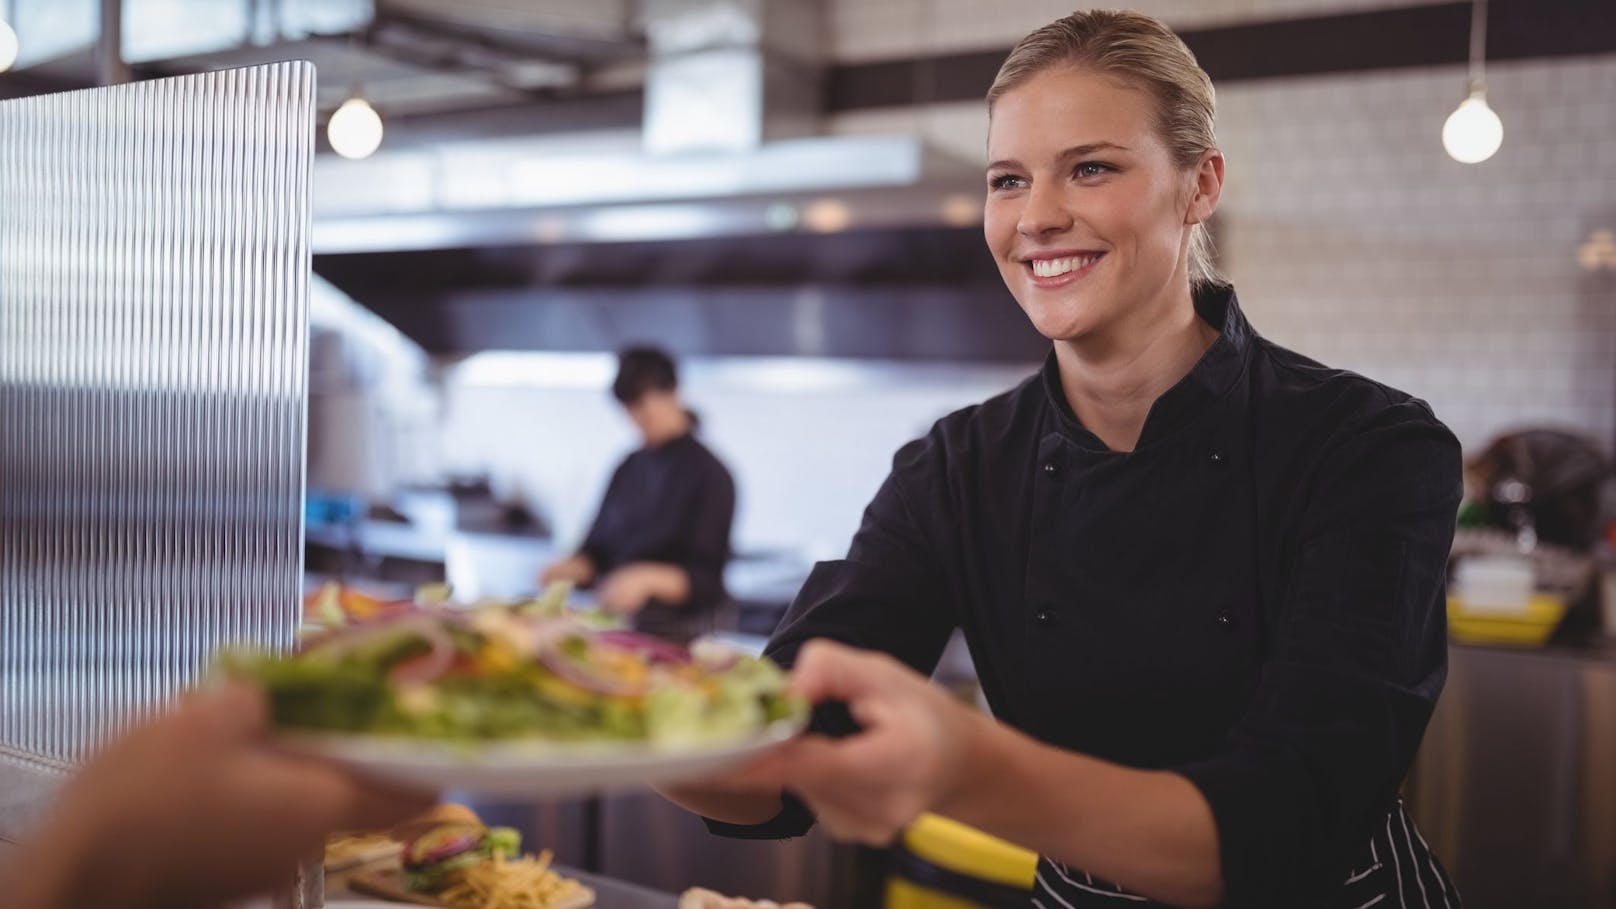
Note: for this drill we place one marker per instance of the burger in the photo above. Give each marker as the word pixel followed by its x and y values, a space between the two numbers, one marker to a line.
pixel 446 840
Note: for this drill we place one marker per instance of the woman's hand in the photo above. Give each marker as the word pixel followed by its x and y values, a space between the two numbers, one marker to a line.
pixel 576 568
pixel 911 756
pixel 628 589
pixel 921 750
pixel 192 809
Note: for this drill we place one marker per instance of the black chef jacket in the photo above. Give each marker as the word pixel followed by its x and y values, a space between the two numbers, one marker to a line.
pixel 674 504
pixel 1253 598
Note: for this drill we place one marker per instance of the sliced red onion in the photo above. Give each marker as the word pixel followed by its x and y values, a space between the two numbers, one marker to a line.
pixel 545 635
pixel 350 634
pixel 573 672
pixel 423 851
pixel 340 641
pixel 430 665
pixel 657 649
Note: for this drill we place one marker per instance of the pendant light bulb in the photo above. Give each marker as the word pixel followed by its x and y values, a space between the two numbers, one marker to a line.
pixel 8 45
pixel 1472 132
pixel 355 129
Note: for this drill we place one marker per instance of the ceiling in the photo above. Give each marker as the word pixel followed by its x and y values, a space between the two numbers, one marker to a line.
pixel 798 244
pixel 413 58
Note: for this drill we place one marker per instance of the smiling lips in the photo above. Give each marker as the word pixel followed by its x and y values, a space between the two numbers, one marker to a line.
pixel 1060 269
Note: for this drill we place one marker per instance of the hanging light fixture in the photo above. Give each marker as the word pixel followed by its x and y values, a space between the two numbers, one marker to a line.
pixel 9 44
pixel 1472 133
pixel 355 129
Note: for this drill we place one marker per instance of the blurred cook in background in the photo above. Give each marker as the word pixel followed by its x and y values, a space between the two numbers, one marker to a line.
pixel 660 541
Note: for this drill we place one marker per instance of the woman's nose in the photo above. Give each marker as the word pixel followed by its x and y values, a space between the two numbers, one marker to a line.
pixel 1043 214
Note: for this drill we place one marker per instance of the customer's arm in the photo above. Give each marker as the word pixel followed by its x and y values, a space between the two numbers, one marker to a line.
pixel 190 810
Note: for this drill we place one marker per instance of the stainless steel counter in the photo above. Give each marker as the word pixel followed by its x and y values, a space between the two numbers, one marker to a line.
pixel 501 565
pixel 1515 785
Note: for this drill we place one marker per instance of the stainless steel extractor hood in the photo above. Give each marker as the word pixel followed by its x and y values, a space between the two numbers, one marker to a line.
pixel 723 225
pixel 726 146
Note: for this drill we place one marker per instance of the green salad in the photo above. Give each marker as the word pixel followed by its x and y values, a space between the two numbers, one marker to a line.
pixel 499 673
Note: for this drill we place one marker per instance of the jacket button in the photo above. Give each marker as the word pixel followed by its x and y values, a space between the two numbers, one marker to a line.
pixel 1051 468
pixel 1217 459
pixel 1226 621
pixel 1044 617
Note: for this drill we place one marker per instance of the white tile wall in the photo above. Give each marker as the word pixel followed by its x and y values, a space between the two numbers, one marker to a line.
pixel 863 30
pixel 1355 239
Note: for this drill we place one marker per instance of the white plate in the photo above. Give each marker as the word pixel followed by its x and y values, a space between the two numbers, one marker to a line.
pixel 535 768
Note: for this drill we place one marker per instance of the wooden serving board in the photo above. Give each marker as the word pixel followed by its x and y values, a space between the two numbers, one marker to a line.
pixel 388 884
pixel 385 852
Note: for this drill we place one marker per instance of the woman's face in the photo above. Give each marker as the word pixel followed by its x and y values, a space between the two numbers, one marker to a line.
pixel 1087 215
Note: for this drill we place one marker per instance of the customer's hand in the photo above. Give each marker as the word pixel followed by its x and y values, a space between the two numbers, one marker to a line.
pixel 910 756
pixel 192 809
pixel 577 568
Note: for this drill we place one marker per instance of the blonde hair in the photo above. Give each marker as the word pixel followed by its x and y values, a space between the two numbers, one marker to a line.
pixel 1145 53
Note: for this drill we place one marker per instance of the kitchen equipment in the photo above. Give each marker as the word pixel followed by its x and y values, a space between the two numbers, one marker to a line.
pixel 1530 626
pixel 1494 584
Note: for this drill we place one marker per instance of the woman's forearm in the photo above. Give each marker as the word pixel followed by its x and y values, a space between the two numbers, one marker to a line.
pixel 665 582
pixel 1149 831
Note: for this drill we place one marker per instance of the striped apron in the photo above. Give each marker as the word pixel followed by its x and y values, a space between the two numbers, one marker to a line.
pixel 1396 871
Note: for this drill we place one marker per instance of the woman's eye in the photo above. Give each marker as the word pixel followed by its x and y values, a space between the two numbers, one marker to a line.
pixel 1092 169
pixel 1005 181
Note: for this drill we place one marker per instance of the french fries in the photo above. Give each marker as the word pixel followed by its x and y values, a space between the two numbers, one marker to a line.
pixel 524 883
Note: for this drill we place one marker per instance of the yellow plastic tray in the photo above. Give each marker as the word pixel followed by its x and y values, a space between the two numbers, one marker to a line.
pixel 1529 629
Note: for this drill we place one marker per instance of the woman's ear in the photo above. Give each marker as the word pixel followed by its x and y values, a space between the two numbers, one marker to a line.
pixel 1206 188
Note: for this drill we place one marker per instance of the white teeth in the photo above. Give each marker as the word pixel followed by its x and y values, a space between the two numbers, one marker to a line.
pixel 1054 268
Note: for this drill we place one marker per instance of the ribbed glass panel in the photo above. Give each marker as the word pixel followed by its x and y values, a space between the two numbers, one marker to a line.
pixel 154 269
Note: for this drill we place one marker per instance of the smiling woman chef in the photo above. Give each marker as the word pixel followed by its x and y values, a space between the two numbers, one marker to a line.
pixel 1201 576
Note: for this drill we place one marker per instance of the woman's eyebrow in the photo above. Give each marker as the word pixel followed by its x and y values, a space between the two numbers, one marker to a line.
pixel 1076 151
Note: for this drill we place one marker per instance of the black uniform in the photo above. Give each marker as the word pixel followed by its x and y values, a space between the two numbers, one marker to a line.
pixel 672 504
pixel 1252 598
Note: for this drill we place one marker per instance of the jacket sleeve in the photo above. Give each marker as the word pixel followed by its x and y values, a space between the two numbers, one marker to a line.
pixel 1359 655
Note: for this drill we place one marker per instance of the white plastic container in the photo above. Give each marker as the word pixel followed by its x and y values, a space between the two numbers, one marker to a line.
pixel 1494 584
